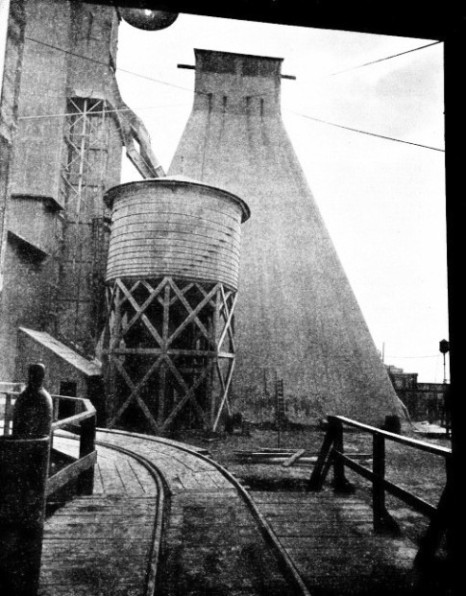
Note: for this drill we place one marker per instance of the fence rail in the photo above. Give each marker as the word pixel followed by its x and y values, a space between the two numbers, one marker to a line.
pixel 332 455
pixel 69 413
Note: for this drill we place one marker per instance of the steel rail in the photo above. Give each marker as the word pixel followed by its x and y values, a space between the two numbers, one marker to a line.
pixel 285 562
pixel 161 510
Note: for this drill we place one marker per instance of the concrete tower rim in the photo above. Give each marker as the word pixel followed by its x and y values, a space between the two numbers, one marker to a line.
pixel 238 55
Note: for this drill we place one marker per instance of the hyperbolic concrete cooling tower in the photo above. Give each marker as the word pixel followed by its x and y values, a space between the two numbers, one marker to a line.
pixel 297 318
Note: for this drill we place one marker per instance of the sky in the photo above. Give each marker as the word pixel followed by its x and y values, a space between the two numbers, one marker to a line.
pixel 383 201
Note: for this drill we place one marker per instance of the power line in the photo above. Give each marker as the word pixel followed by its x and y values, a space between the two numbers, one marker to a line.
pixel 160 82
pixel 365 132
pixel 54 47
pixel 122 110
pixel 333 74
pixel 203 93
pixel 101 62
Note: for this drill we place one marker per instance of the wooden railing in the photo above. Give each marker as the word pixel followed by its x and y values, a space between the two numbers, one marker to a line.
pixel 80 419
pixel 8 393
pixel 332 455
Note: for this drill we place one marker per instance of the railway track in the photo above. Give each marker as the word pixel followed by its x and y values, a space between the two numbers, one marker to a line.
pixel 207 536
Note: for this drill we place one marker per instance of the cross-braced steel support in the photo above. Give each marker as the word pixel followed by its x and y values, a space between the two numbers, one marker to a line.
pixel 168 353
pixel 77 300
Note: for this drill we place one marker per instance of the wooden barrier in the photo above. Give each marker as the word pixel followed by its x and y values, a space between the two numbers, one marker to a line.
pixel 8 393
pixel 332 455
pixel 23 475
pixel 82 422
pixel 28 477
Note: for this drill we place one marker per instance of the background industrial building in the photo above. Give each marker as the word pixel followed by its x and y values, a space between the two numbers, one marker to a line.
pixel 63 128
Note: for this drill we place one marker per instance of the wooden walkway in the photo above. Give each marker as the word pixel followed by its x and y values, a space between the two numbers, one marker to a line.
pixel 331 540
pixel 211 544
pixel 103 544
pixel 214 545
pixel 107 543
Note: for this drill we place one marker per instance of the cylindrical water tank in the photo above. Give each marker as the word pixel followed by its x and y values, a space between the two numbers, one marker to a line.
pixel 175 227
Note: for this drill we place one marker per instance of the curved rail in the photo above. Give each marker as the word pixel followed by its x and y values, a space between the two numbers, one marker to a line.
pixel 166 498
pixel 160 514
pixel 162 505
pixel 286 564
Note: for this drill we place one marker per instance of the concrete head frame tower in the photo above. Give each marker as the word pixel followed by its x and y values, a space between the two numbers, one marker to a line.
pixel 66 150
pixel 297 317
pixel 172 280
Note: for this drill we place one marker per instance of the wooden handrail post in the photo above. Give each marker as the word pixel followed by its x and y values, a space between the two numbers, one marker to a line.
pixel 321 467
pixel 340 483
pixel 438 528
pixel 87 446
pixel 23 477
pixel 56 406
pixel 383 522
pixel 378 490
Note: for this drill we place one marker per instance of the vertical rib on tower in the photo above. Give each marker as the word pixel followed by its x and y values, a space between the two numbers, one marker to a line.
pixel 297 317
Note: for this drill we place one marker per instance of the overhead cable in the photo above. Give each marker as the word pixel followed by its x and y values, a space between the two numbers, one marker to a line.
pixel 333 74
pixel 366 132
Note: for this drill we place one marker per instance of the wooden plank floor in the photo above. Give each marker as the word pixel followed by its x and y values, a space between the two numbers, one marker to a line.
pixel 102 544
pixel 331 541
pixel 213 543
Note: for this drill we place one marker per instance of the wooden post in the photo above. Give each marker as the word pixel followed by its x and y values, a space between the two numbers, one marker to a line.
pixel 378 490
pixel 214 363
pixel 438 528
pixel 86 446
pixel 340 483
pixel 56 405
pixel 383 522
pixel 23 475
pixel 162 376
pixel 321 468
pixel 114 337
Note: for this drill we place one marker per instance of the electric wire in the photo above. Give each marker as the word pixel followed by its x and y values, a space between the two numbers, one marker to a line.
pixel 108 65
pixel 333 74
pixel 321 121
pixel 366 132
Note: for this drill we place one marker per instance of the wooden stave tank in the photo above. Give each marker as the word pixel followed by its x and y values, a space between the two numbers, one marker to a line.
pixel 209 251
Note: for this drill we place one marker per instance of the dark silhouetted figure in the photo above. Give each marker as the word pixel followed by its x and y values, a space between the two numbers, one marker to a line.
pixel 33 413
pixel 24 462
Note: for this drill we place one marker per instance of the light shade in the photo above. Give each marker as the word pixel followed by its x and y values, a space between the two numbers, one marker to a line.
pixel 145 18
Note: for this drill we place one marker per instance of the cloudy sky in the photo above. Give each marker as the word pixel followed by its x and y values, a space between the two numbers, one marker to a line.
pixel 383 200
